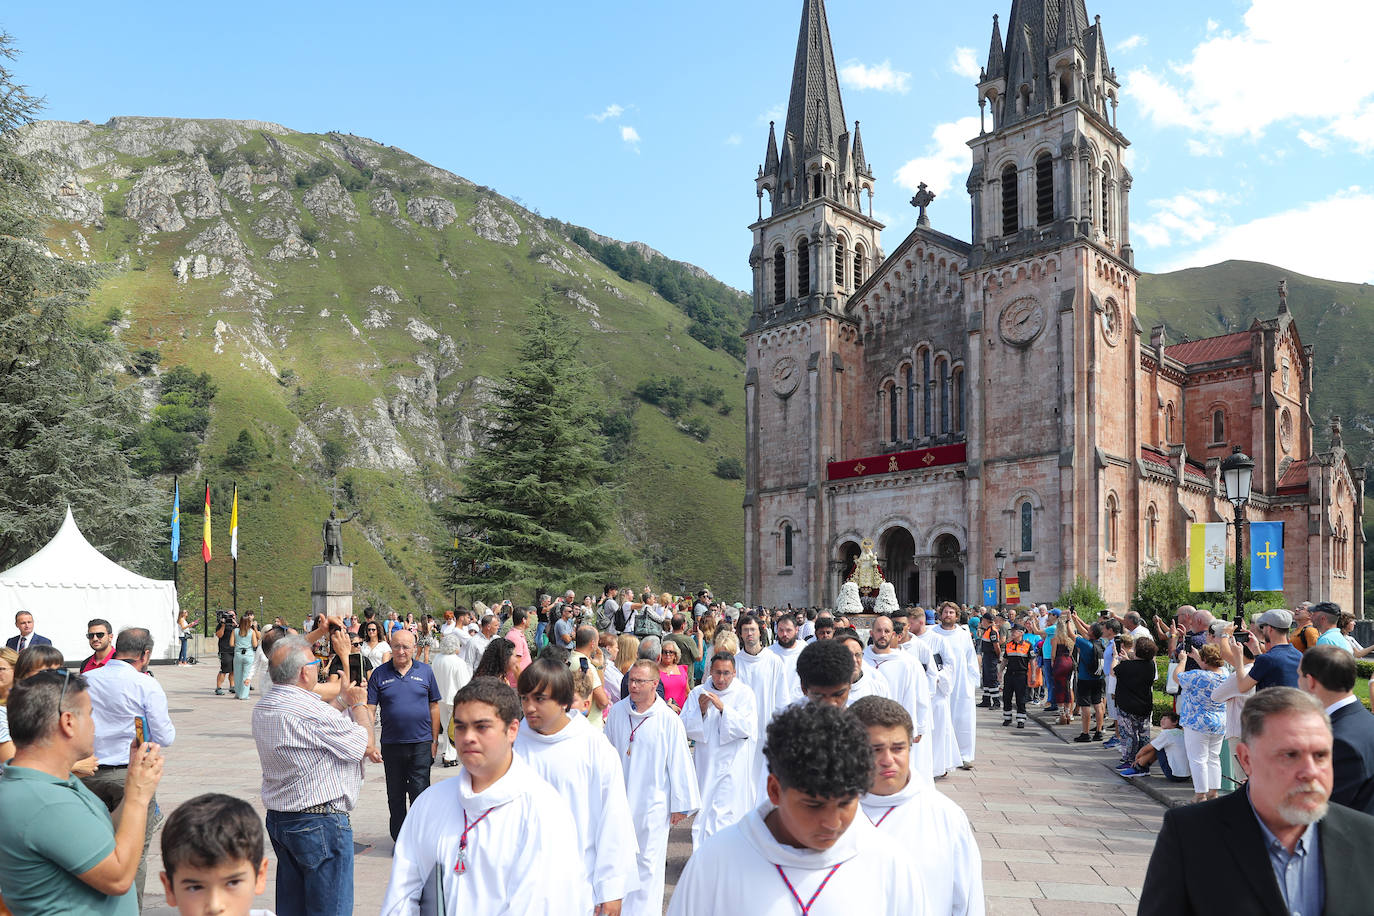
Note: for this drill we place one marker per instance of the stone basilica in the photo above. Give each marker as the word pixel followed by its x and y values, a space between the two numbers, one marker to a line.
pixel 952 398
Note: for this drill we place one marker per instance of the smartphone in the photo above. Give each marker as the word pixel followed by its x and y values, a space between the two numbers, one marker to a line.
pixel 140 730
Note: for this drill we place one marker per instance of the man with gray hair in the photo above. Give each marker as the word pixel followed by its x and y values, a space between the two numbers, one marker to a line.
pixel 312 756
pixel 121 693
pixel 1283 848
pixel 477 644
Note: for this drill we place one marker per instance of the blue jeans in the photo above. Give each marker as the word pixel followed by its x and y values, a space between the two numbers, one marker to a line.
pixel 314 863
pixel 181 659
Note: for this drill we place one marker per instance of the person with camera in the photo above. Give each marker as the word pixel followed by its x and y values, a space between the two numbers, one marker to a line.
pixel 1276 661
pixel 225 624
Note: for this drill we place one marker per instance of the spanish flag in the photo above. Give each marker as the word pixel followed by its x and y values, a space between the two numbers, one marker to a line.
pixel 1207 557
pixel 205 539
pixel 234 526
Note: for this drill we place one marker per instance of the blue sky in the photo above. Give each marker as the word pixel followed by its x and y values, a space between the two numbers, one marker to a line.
pixel 1252 121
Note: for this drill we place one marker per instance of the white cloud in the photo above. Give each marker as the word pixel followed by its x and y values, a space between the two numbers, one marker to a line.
pixel 611 113
pixel 630 136
pixel 734 140
pixel 966 64
pixel 1131 43
pixel 947 161
pixel 1320 239
pixel 1240 83
pixel 881 78
pixel 1199 148
pixel 1186 218
pixel 776 113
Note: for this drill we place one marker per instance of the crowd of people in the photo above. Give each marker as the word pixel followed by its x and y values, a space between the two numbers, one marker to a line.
pixel 799 742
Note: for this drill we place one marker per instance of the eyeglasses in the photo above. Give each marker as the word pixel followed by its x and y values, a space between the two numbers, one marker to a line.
pixel 96 635
pixel 62 694
pixel 640 682
pixel 309 663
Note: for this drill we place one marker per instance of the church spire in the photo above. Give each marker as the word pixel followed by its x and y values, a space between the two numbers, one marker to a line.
pixel 860 163
pixel 996 67
pixel 814 108
pixel 770 156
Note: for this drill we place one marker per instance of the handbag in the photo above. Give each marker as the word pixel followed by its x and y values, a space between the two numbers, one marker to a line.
pixel 1171 686
pixel 646 625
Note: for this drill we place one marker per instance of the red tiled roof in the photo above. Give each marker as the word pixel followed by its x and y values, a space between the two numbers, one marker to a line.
pixel 1295 477
pixel 1210 348
pixel 1155 458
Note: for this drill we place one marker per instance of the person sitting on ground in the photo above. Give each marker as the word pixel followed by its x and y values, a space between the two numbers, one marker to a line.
pixel 807 848
pixel 212 857
pixel 1167 748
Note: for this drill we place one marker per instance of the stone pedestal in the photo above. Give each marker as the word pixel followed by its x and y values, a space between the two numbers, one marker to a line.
pixel 331 590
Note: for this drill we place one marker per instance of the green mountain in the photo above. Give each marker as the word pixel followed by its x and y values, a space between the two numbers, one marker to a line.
pixel 352 306
pixel 1336 319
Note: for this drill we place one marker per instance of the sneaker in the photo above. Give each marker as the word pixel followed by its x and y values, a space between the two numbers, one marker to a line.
pixel 986 704
pixel 1123 766
pixel 1131 772
pixel 219 691
pixel 1097 735
pixel 1083 738
pixel 1111 742
pixel 1006 722
pixel 1020 724
pixel 1051 709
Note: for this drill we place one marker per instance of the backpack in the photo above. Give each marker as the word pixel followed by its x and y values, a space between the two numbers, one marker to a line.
pixel 621 618
pixel 1099 656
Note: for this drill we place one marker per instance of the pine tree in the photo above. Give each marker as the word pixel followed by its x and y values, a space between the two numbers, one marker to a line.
pixel 535 507
pixel 63 419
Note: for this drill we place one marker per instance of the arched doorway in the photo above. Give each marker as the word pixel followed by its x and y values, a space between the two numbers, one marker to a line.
pixel 899 564
pixel 949 569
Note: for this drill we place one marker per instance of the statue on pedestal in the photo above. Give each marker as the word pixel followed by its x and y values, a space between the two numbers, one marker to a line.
pixel 333 539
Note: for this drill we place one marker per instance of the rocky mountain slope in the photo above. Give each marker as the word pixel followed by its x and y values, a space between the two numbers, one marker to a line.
pixel 353 304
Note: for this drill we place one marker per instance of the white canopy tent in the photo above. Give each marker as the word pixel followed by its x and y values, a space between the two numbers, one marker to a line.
pixel 69 582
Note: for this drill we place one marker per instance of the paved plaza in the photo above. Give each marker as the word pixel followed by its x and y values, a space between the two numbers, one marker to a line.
pixel 1059 832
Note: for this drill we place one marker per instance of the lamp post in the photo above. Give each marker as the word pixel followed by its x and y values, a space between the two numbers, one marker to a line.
pixel 1001 557
pixel 1236 471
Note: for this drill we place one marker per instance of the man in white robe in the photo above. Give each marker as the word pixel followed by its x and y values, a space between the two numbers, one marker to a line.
pixel 909 685
pixel 575 759
pixel 660 781
pixel 719 716
pixel 461 835
pixel 914 815
pixel 806 849
pixel 787 647
pixel 965 672
pixel 867 681
pixel 944 749
pixel 761 670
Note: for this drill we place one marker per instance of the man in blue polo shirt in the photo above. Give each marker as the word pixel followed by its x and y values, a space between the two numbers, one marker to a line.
pixel 408 695
pixel 1276 661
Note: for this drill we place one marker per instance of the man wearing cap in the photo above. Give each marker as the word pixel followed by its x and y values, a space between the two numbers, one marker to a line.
pixel 1017 653
pixel 1276 661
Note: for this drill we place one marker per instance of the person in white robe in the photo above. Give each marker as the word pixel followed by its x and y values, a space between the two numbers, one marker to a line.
pixel 914 815
pixel 787 647
pixel 451 673
pixel 910 686
pixel 462 835
pixel 965 672
pixel 660 780
pixel 574 758
pixel 944 749
pixel 806 848
pixel 867 681
pixel 719 716
pixel 762 671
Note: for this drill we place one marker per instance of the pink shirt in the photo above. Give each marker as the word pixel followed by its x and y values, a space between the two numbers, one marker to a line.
pixel 674 685
pixel 522 647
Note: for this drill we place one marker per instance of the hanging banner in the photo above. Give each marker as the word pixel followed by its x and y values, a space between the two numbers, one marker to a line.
pixel 1207 557
pixel 1013 592
pixel 1266 556
pixel 989 592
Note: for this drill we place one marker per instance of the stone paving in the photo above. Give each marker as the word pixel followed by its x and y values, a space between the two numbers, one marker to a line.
pixel 1059 832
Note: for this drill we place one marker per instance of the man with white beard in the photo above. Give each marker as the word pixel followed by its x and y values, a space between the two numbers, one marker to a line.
pixel 944 749
pixel 908 685
pixel 762 672
pixel 961 661
pixel 787 647
pixel 719 716
pixel 660 780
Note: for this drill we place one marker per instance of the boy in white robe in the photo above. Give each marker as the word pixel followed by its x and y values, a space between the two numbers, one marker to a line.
pixel 787 648
pixel 825 669
pixel 660 781
pixel 867 681
pixel 761 670
pixel 962 663
pixel 466 831
pixel 574 758
pixel 914 815
pixel 719 716
pixel 944 750
pixel 807 849
pixel 910 685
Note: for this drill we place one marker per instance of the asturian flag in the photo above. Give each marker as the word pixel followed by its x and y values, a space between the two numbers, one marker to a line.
pixel 989 591
pixel 1266 556
pixel 205 537
pixel 1207 557
pixel 176 520
pixel 234 526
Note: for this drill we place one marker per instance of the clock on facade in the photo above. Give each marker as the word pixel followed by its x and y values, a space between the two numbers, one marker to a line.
pixel 786 376
pixel 1022 321
pixel 1111 322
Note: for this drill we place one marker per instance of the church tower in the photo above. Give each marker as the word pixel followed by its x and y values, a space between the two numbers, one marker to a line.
pixel 813 245
pixel 1051 292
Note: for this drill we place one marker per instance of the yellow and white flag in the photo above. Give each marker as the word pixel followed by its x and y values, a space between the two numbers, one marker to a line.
pixel 1207 557
pixel 234 526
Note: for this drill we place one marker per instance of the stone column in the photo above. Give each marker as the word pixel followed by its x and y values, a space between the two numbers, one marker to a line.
pixel 331 591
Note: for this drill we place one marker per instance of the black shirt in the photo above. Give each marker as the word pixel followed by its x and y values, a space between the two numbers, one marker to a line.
pixel 1135 679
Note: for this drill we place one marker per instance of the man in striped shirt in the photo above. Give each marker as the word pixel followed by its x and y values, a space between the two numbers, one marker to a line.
pixel 312 756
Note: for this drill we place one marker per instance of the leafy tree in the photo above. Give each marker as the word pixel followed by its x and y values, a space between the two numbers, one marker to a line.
pixel 62 417
pixel 143 361
pixel 729 468
pixel 333 451
pixel 535 503
pixel 1160 593
pixel 1083 596
pixel 243 452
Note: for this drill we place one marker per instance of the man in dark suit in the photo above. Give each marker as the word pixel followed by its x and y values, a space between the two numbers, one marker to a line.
pixel 1328 673
pixel 1225 855
pixel 27 637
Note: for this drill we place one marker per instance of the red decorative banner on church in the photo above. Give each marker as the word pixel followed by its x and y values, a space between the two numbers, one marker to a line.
pixel 915 460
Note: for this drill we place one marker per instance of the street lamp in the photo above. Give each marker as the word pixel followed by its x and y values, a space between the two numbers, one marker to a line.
pixel 1001 557
pixel 1236 471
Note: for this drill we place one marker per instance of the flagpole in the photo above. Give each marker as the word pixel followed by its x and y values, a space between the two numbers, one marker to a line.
pixel 206 585
pixel 233 535
pixel 176 513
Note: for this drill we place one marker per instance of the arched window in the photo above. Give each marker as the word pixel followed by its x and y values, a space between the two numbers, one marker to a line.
pixel 1092 190
pixel 779 276
pixel 892 411
pixel 1027 515
pixel 1109 525
pixel 927 396
pixel 816 185
pixel 840 258
pixel 787 545
pixel 1169 423
pixel 858 264
pixel 959 401
pixel 1009 202
pixel 1151 533
pixel 1218 425
pixel 1044 190
pixel 944 396
pixel 910 403
pixel 1106 202
pixel 803 268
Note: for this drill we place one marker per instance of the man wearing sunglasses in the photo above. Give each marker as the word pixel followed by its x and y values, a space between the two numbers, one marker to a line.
pixel 102 646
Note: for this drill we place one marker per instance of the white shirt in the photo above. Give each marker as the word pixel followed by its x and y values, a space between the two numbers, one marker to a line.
pixel 119 692
pixel 474 649
pixel 919 816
